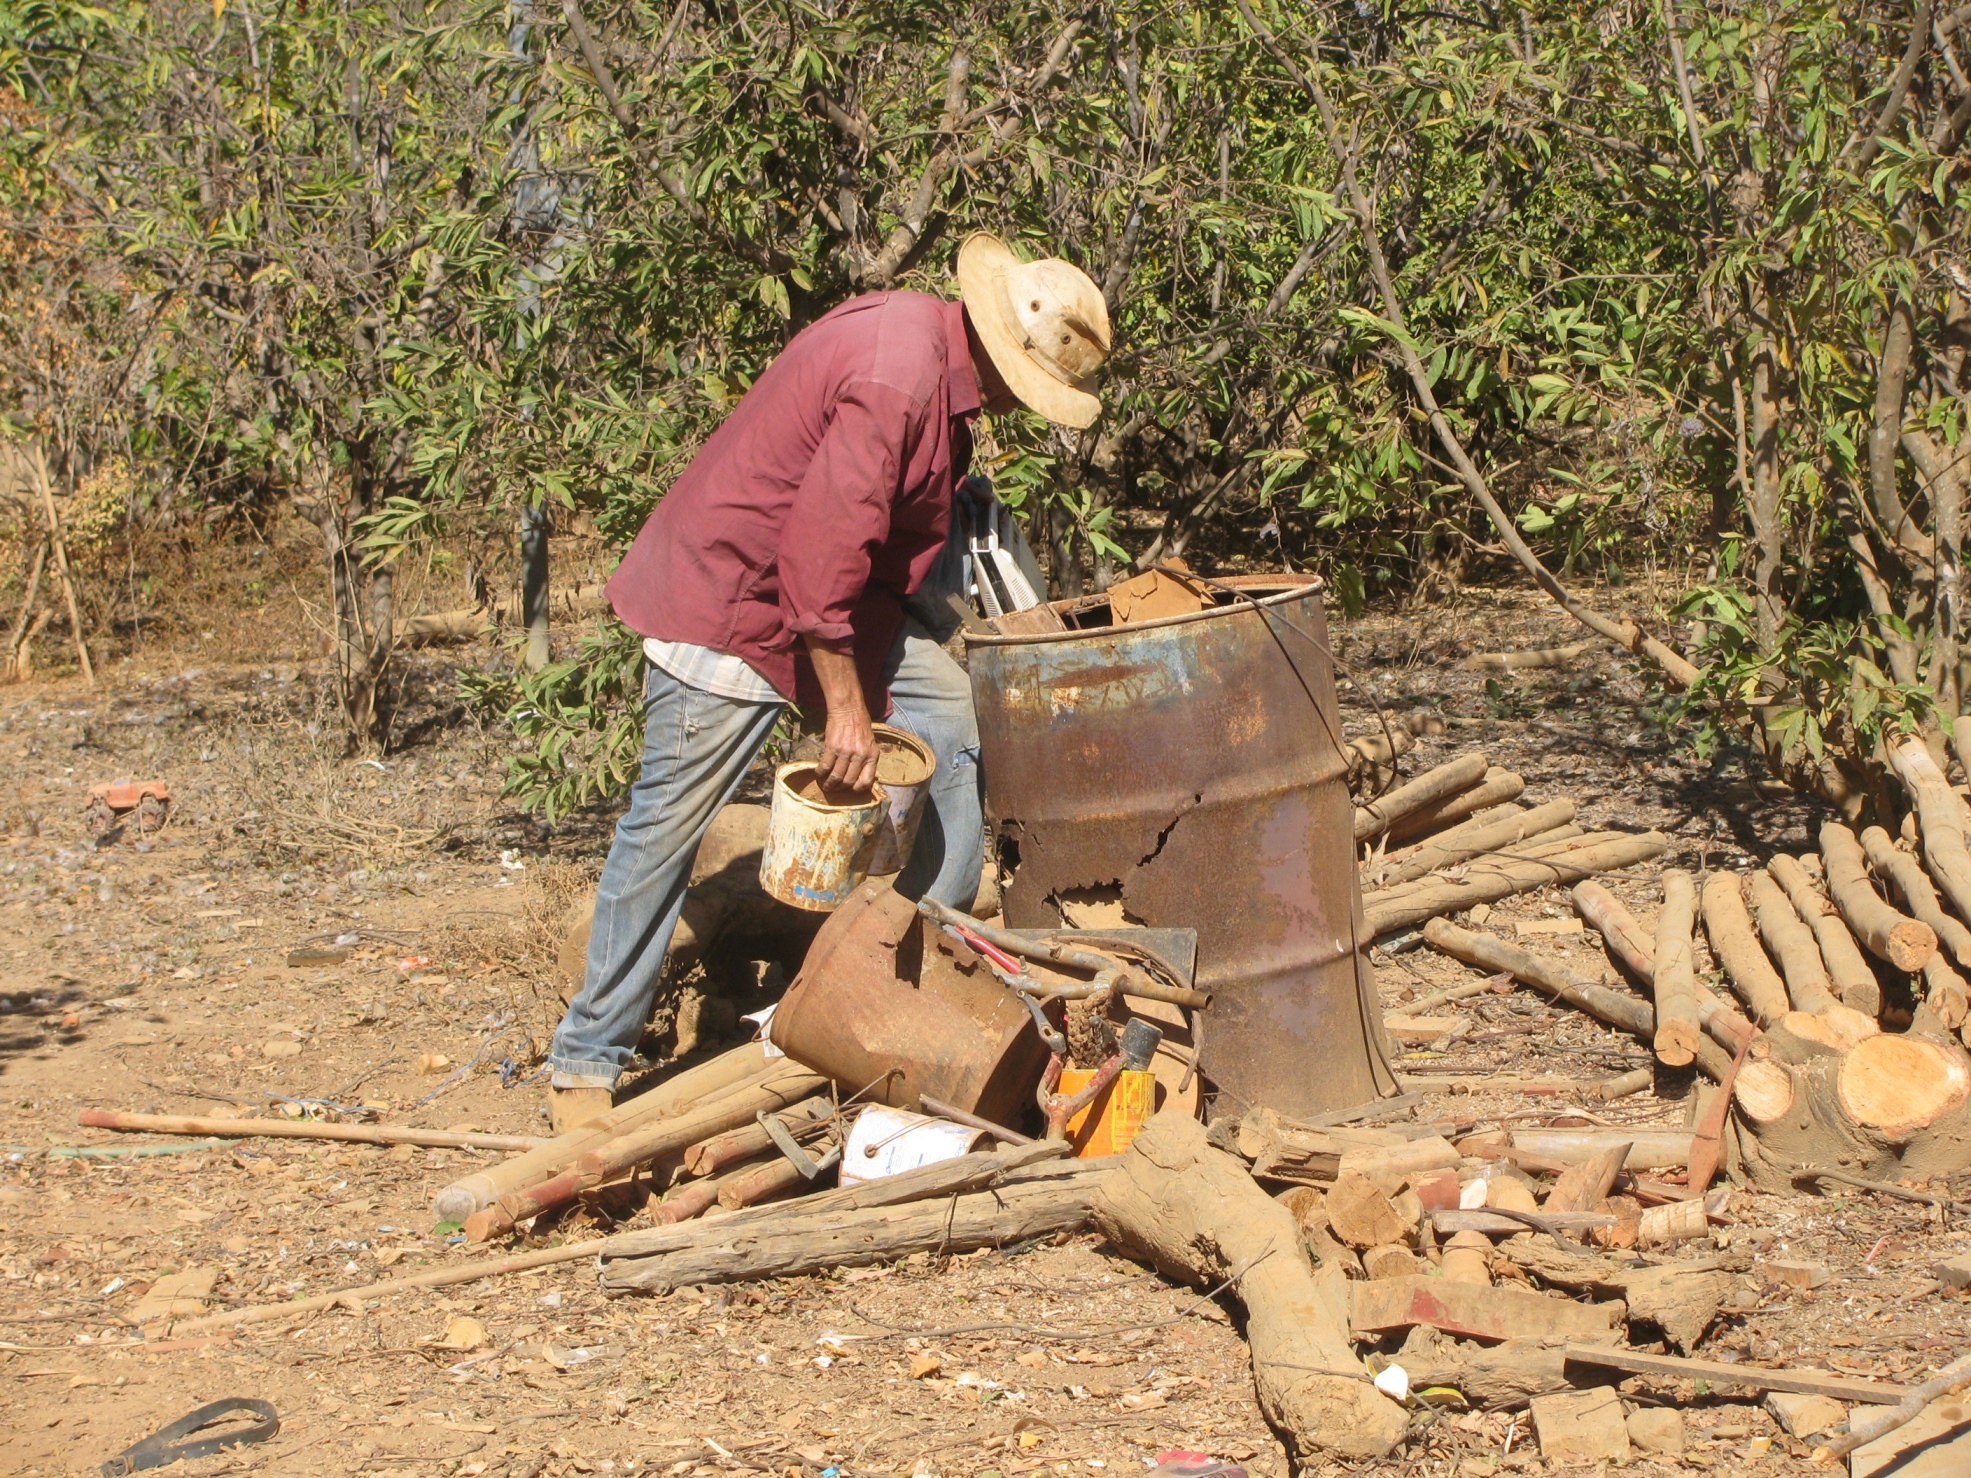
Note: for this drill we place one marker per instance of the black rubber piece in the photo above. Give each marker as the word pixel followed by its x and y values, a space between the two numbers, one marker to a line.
pixel 162 1447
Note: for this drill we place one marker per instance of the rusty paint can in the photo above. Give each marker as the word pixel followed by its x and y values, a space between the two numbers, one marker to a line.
pixel 904 766
pixel 1190 768
pixel 817 848
pixel 891 1009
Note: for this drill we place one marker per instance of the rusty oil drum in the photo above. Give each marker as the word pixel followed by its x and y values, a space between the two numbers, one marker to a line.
pixel 1195 761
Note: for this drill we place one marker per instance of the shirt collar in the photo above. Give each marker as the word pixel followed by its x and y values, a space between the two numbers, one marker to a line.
pixel 964 380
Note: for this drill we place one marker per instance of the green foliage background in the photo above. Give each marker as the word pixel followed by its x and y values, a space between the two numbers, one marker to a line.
pixel 416 265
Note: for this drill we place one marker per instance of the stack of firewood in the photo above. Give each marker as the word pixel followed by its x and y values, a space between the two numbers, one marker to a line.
pixel 1459 835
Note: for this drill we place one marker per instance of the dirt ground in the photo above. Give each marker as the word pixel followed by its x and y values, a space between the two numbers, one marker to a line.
pixel 151 974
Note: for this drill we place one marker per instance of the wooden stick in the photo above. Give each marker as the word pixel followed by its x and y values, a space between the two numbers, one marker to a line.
pixel 1805 1382
pixel 1497 788
pixel 1953 1378
pixel 61 563
pixel 1372 758
pixel 437 1278
pixel 1906 875
pixel 640 1147
pixel 1679 1029
pixel 19 636
pixel 1627 942
pixel 1427 789
pixel 1889 935
pixel 693 1086
pixel 91 1118
pixel 1792 944
pixel 787 1238
pixel 1633 948
pixel 1496 877
pixel 1853 978
pixel 1616 1008
pixel 1945 992
pixel 1941 815
pixel 1475 839
pixel 1737 948
pixel 764 1182
pixel 721 1150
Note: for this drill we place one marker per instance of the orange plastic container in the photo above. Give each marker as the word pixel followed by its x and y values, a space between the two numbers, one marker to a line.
pixel 1109 1124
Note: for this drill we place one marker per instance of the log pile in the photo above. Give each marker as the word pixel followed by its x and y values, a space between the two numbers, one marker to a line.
pixel 1458 835
pixel 1854 1018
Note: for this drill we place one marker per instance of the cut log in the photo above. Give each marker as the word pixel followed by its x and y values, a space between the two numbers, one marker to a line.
pixel 1890 1106
pixel 1941 816
pixel 1363 1215
pixel 1852 976
pixel 1372 758
pixel 1945 992
pixel 762 1183
pixel 1474 839
pixel 1792 944
pixel 1461 774
pixel 643 1145
pixel 1562 839
pixel 1492 878
pixel 1737 949
pixel 1392 1304
pixel 712 1155
pixel 1887 934
pixel 1616 1008
pixel 792 1241
pixel 1498 1377
pixel 1495 790
pixel 1195 1214
pixel 977 1171
pixel 1905 874
pixel 1634 949
pixel 1679 1029
pixel 1628 943
pixel 682 1091
pixel 1648 1149
pixel 1585 1186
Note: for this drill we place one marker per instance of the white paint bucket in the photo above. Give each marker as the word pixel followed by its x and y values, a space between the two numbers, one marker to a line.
pixel 905 767
pixel 887 1141
pixel 817 850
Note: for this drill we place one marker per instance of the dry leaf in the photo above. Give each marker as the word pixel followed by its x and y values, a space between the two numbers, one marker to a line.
pixel 1032 1359
pixel 1144 1400
pixel 431 1063
pixel 464 1334
pixel 923 1365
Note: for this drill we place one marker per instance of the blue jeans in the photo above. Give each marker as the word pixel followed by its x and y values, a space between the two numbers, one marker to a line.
pixel 697 747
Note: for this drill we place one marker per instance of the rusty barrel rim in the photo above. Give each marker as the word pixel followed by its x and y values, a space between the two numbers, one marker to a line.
pixel 1281 594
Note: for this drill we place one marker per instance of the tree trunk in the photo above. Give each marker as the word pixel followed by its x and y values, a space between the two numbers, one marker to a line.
pixel 1194 1213
pixel 1889 1107
pixel 535 528
pixel 1889 935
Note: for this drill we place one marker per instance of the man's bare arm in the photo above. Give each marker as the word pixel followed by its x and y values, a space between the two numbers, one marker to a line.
pixel 848 754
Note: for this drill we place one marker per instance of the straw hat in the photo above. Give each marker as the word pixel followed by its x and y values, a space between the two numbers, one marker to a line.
pixel 1044 324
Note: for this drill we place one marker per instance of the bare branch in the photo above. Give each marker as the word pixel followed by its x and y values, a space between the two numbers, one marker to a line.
pixel 1892 106
pixel 1623 633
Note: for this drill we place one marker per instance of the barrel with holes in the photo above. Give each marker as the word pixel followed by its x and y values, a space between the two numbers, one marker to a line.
pixel 1189 772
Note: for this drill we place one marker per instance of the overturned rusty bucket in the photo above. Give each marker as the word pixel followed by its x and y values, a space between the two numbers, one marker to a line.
pixel 892 1009
pixel 1188 772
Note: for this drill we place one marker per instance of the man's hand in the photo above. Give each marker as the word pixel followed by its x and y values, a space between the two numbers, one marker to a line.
pixel 848 756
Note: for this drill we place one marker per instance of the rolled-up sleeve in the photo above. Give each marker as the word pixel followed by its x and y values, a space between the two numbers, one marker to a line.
pixel 841 513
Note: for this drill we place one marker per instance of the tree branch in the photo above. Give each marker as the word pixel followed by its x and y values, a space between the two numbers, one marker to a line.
pixel 1892 106
pixel 1624 634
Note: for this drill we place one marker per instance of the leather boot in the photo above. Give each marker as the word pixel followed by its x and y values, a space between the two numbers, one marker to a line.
pixel 571 1108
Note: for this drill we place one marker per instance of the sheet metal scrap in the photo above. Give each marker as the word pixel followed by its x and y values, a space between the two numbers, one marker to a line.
pixel 1195 763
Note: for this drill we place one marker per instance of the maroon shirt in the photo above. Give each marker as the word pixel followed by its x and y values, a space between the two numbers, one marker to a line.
pixel 821 502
